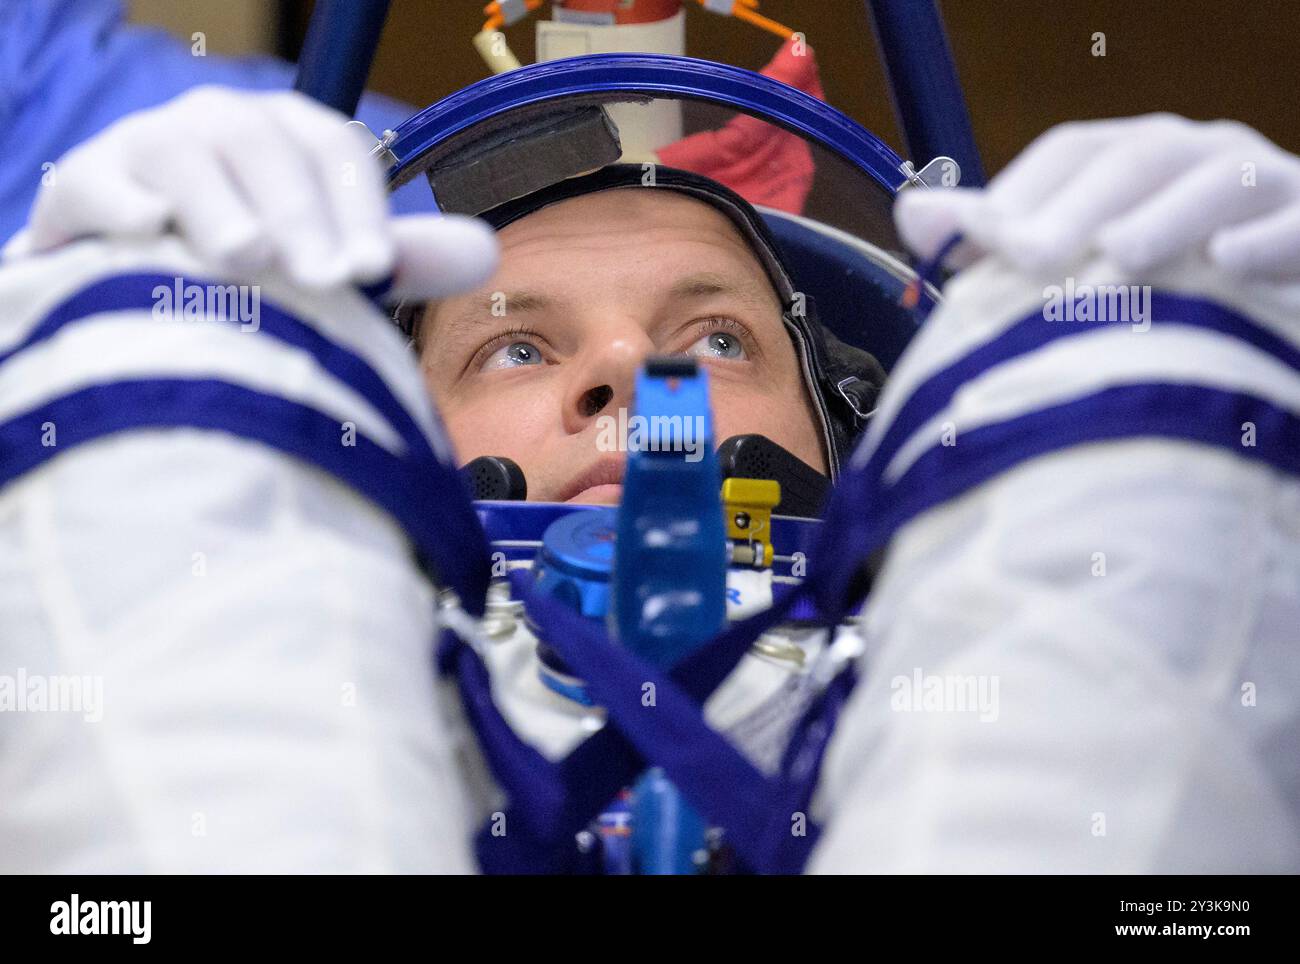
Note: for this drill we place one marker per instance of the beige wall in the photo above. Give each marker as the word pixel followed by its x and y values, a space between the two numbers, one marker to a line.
pixel 1026 64
pixel 229 26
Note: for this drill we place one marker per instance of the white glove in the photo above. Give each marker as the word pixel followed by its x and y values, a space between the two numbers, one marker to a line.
pixel 1141 191
pixel 255 181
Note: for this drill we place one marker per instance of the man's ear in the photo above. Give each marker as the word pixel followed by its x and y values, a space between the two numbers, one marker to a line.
pixel 405 315
pixel 413 320
pixel 418 328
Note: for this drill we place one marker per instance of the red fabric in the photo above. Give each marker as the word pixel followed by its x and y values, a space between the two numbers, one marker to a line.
pixel 761 162
pixel 641 11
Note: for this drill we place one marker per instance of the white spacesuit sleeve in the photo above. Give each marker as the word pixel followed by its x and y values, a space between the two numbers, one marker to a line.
pixel 216 657
pixel 1087 663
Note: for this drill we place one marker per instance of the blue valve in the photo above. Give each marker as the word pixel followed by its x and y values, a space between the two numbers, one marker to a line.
pixel 656 570
pixel 668 835
pixel 573 567
pixel 668 593
pixel 575 560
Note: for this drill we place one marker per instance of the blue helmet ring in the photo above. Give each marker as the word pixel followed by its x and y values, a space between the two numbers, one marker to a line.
pixel 842 253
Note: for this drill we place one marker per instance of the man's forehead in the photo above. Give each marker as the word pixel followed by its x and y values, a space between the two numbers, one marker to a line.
pixel 630 228
pixel 622 204
pixel 662 241
pixel 556 293
pixel 632 223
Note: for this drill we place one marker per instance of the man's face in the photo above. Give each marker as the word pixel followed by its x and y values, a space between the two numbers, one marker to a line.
pixel 585 291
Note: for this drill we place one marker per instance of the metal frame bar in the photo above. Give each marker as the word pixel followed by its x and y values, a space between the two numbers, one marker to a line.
pixel 655 75
pixel 924 83
pixel 341 41
pixel 339 50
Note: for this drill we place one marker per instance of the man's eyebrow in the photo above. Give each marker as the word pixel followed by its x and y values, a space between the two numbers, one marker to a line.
pixel 707 283
pixel 496 306
pixel 522 301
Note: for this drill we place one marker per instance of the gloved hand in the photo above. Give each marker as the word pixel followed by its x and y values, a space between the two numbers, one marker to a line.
pixel 1139 190
pixel 254 181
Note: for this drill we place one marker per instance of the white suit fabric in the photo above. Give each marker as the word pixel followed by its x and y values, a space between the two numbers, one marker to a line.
pixel 260 632
pixel 262 635
pixel 1131 606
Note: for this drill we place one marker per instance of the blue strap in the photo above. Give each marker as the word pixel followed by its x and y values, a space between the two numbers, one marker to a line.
pixel 671 732
pixel 802 761
pixel 305 433
pixel 461 557
pixel 928 272
pixel 702 672
pixel 135 292
pixel 1192 413
pixel 1034 332
pixel 590 775
pixel 678 739
pixel 593 773
pixel 600 766
pixel 850 532
pixel 524 774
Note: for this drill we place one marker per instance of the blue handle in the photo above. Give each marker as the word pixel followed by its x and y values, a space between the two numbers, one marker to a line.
pixel 927 92
pixel 668 592
pixel 338 51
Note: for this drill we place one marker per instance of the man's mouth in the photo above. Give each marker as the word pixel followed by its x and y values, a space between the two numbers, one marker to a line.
pixel 600 484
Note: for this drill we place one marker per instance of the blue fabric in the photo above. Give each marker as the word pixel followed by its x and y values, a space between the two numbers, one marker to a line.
pixel 69 68
pixel 136 291
pixel 1191 413
pixel 681 742
pixel 423 493
pixel 857 299
pixel 847 529
pixel 303 432
pixel 524 774
pixel 1034 332
pixel 863 515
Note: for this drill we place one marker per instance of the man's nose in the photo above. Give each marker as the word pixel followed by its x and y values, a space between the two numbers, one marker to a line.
pixel 605 376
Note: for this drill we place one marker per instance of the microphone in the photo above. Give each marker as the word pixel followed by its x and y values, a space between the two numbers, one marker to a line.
pixel 803 488
pixel 494 477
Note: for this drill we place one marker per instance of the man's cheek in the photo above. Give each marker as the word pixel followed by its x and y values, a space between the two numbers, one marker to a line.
pixel 740 413
pixel 496 424
pixel 787 422
pixel 474 429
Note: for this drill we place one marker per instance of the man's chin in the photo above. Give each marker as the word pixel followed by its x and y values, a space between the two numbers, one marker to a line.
pixel 608 494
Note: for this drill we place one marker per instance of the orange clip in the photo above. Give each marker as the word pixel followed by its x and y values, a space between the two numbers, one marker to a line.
pixel 496 19
pixel 746 10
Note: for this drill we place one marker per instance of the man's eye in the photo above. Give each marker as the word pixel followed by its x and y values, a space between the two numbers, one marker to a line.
pixel 513 355
pixel 718 344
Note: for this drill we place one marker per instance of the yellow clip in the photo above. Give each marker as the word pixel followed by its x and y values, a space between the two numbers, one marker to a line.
pixel 748 504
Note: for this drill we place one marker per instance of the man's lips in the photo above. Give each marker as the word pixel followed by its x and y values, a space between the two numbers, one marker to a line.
pixel 603 479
